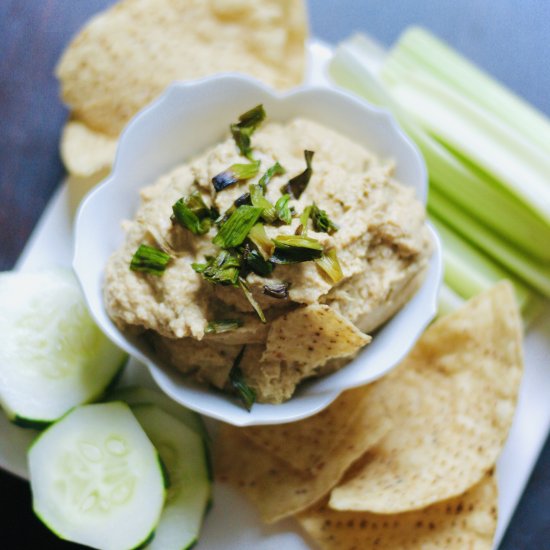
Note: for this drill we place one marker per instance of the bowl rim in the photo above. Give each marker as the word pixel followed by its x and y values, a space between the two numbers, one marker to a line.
pixel 135 125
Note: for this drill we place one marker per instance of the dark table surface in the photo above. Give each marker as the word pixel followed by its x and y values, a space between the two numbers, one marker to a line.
pixel 509 38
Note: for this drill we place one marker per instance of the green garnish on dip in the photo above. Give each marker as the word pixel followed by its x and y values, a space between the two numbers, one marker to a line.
pixel 319 218
pixel 277 290
pixel 263 243
pixel 224 325
pixel 329 263
pixel 275 170
pixel 291 249
pixel 297 185
pixel 249 296
pixel 247 125
pixel 192 213
pixel 255 262
pixel 257 197
pixel 221 270
pixel 235 173
pixel 283 209
pixel 148 259
pixel 234 231
pixel 246 394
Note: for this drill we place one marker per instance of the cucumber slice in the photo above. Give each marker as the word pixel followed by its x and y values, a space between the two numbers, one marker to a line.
pixel 136 395
pixel 184 455
pixel 52 355
pixel 96 478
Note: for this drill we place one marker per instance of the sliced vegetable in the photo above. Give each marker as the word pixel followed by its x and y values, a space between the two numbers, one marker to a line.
pixel 275 170
pixel 259 237
pixel 256 262
pixel 296 248
pixel 183 454
pixel 234 174
pixel 329 263
pixel 283 209
pixel 53 357
pixel 192 213
pixel 246 394
pixel 148 259
pixel 321 221
pixel 249 296
pixel 221 270
pixel 257 197
pixel 96 479
pixel 234 231
pixel 297 185
pixel 223 325
pixel 277 290
pixel 136 395
pixel 247 125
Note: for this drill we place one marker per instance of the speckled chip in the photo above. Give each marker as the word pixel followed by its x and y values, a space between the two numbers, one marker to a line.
pixel 452 403
pixel 466 521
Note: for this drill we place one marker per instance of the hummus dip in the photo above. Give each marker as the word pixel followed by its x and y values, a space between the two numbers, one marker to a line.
pixel 319 324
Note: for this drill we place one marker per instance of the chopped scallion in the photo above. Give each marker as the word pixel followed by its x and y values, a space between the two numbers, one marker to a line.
pixel 291 249
pixel 257 197
pixel 235 173
pixel 247 125
pixel 297 185
pixel 329 263
pixel 275 170
pixel 277 290
pixel 263 243
pixel 224 325
pixel 246 394
pixel 191 212
pixel 234 231
pixel 222 270
pixel 249 296
pixel 283 209
pixel 149 260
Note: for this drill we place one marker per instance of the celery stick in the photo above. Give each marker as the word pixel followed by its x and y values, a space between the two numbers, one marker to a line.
pixel 428 53
pixel 532 272
pixel 448 300
pixel 468 272
pixel 353 68
pixel 477 135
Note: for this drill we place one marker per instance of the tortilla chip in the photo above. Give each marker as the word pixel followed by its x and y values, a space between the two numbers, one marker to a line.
pixel 308 444
pixel 309 337
pixel 451 402
pixel 126 56
pixel 280 491
pixel 466 521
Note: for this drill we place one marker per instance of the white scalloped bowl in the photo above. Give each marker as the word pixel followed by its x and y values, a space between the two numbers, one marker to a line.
pixel 185 120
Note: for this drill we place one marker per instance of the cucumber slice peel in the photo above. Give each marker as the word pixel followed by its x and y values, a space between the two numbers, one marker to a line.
pixel 184 454
pixel 96 478
pixel 52 355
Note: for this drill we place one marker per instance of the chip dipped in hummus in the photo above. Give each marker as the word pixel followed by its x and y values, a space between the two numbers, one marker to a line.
pixel 269 258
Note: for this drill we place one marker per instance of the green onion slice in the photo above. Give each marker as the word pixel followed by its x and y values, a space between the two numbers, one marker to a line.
pixel 263 243
pixel 258 200
pixel 329 263
pixel 256 262
pixel 283 210
pixel 246 394
pixel 277 290
pixel 275 170
pixel 192 213
pixel 248 294
pixel 223 325
pixel 234 231
pixel 247 125
pixel 297 185
pixel 149 260
pixel 235 173
pixel 291 249
pixel 221 270
pixel 321 222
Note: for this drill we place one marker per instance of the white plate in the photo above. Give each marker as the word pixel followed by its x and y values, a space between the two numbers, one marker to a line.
pixel 233 524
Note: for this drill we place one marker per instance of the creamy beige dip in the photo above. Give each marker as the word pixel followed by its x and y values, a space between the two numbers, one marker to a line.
pixel 382 243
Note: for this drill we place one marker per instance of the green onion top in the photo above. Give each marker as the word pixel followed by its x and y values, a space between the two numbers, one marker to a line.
pixel 191 212
pixel 329 263
pixel 283 209
pixel 222 270
pixel 250 297
pixel 149 260
pixel 256 262
pixel 234 231
pixel 296 248
pixel 321 222
pixel 297 185
pixel 235 173
pixel 259 238
pixel 223 325
pixel 275 170
pixel 247 125
pixel 246 394
pixel 258 200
